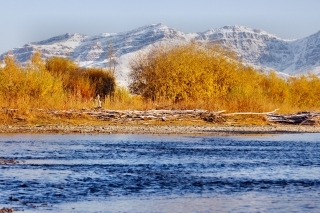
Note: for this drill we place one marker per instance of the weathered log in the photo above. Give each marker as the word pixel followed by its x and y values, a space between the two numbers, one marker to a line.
pixel 250 113
pixel 302 118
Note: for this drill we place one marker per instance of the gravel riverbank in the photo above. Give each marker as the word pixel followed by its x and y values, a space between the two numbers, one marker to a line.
pixel 160 129
pixel 159 122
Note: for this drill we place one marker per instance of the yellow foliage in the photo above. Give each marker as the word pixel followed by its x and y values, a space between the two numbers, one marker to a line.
pixel 304 92
pixel 195 75
pixel 32 85
pixel 57 83
pixel 122 99
pixel 178 77
pixel 186 72
pixel 83 82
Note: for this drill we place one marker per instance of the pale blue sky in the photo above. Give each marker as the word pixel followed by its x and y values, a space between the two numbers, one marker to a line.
pixel 23 21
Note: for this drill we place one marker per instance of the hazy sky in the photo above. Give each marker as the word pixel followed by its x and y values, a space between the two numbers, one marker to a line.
pixel 23 21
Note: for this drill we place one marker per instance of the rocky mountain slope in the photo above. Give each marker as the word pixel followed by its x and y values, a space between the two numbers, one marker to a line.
pixel 255 47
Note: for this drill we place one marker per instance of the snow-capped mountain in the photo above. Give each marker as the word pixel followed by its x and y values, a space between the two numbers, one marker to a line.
pixel 253 46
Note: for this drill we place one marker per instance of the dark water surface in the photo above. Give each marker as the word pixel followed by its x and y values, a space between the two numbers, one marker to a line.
pixel 145 173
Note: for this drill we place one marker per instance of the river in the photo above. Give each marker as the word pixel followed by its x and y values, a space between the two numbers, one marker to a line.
pixel 150 173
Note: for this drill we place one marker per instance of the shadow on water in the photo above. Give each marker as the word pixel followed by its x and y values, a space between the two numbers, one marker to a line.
pixel 145 173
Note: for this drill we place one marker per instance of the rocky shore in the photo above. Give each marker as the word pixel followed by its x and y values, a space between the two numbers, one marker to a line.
pixel 160 129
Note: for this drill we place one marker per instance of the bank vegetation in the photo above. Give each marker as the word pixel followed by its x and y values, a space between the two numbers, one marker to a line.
pixel 180 77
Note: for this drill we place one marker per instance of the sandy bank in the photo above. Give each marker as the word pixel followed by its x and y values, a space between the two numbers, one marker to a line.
pixel 160 129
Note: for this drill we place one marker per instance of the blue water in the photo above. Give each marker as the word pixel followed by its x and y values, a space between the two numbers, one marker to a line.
pixel 145 173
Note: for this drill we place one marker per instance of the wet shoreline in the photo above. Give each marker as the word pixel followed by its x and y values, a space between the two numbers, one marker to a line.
pixel 163 129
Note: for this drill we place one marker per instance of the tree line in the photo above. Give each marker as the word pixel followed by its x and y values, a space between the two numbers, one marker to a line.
pixel 53 83
pixel 186 76
pixel 198 75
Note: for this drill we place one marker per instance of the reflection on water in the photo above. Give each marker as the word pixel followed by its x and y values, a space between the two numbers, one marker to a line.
pixel 145 173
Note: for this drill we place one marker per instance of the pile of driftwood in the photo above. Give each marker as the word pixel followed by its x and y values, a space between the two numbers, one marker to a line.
pixel 301 118
pixel 135 115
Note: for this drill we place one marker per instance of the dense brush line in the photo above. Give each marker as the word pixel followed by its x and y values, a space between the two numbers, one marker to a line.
pixel 185 76
pixel 55 83
pixel 211 77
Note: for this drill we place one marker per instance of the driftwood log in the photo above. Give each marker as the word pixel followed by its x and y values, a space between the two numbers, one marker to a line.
pixel 251 113
pixel 301 118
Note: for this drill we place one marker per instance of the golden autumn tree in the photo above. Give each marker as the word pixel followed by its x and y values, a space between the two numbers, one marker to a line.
pixel 30 85
pixel 40 84
pixel 304 92
pixel 185 72
pixel 11 81
pixel 82 82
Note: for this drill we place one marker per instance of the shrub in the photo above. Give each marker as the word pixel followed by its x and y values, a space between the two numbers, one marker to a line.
pixel 200 75
pixel 103 81
pixel 83 82
pixel 31 86
pixel 185 72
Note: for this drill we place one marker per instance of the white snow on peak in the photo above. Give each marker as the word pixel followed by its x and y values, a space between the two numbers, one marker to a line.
pixel 240 32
